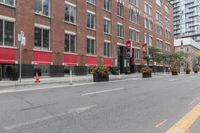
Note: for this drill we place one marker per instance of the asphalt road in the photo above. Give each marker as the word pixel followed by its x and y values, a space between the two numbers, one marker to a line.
pixel 128 106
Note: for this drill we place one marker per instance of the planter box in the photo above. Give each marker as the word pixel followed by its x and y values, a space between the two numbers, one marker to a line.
pixel 146 75
pixel 187 72
pixel 174 73
pixel 100 78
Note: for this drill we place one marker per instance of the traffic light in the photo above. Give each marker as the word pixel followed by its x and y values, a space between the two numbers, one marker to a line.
pixel 129 49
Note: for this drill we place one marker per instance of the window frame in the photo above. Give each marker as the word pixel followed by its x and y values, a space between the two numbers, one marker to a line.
pixel 4 3
pixel 3 33
pixel 42 48
pixel 49 9
pixel 70 5
pixel 75 43
pixel 90 45
pixel 91 14
pixel 107 52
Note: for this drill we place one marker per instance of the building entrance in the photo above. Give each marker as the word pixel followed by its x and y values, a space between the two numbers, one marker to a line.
pixel 121 50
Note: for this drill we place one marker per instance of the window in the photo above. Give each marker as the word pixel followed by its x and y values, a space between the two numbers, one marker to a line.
pixel 137 53
pixel 159 30
pixel 134 35
pixel 148 39
pixel 42 39
pixel 167 22
pixel 137 36
pixel 107 5
pixel 158 2
pixel 7 33
pixel 42 7
pixel 148 9
pixel 107 49
pixel 167 34
pixel 131 34
pixel 134 16
pixel 70 13
pixel 151 25
pixel 70 43
pixel 159 44
pixel 92 1
pixel 159 17
pixel 107 26
pixel 167 47
pixel 167 9
pixel 91 46
pixel 8 2
pixel 91 20
pixel 120 9
pixel 120 30
pixel 134 2
pixel 146 23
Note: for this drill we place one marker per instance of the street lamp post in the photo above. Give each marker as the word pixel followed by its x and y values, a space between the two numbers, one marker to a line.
pixel 22 41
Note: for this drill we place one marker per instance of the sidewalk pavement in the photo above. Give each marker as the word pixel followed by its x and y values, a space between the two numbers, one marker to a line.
pixel 66 79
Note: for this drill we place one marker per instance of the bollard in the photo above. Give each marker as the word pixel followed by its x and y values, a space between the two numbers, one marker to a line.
pixel 71 82
pixel 119 74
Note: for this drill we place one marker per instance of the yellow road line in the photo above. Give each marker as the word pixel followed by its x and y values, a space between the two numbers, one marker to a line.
pixel 186 122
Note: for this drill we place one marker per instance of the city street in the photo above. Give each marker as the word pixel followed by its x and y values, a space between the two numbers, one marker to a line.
pixel 132 105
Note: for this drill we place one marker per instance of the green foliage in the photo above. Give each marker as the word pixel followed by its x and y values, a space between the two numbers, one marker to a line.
pixel 114 70
pixel 146 69
pixel 100 70
pixel 174 69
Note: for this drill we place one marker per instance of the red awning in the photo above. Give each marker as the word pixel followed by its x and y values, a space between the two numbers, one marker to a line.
pixel 108 62
pixel 8 56
pixel 70 60
pixel 41 57
pixel 91 61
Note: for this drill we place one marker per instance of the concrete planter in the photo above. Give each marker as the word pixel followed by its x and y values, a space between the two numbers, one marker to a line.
pixel 100 78
pixel 174 73
pixel 146 75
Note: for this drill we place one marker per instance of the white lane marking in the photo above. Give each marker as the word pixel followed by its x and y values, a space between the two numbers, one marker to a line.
pixel 75 110
pixel 104 91
pixel 160 124
pixel 42 88
pixel 81 110
pixel 192 102
pixel 171 80
pixel 27 123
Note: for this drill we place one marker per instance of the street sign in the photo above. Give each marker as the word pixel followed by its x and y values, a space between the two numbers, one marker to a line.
pixel 23 41
pixel 22 38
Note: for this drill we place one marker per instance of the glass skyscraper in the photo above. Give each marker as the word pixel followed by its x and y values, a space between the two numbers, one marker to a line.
pixel 187 19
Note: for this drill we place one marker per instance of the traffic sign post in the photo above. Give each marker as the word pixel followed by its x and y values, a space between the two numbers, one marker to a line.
pixel 22 41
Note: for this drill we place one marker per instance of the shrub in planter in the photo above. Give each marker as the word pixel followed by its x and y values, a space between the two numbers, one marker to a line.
pixel 146 72
pixel 14 74
pixel 174 70
pixel 100 73
pixel 196 69
pixel 114 70
pixel 188 71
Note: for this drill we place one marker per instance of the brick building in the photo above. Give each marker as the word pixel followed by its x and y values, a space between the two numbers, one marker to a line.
pixel 71 33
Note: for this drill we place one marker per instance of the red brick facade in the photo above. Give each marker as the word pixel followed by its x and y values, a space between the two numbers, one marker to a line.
pixel 26 19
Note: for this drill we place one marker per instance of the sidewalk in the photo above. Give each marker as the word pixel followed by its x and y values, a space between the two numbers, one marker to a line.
pixel 66 79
